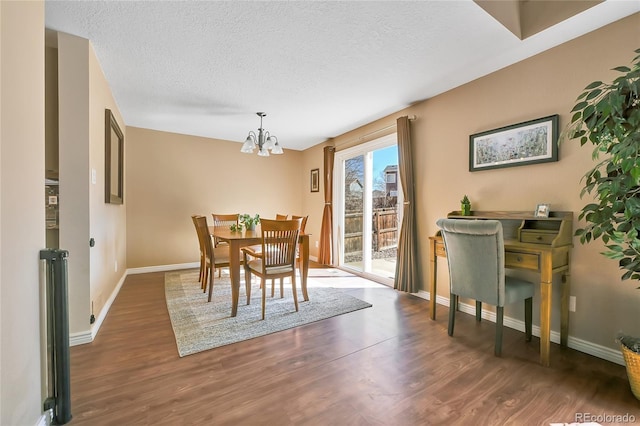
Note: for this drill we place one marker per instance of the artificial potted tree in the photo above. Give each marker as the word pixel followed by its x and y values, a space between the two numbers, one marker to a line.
pixel 607 115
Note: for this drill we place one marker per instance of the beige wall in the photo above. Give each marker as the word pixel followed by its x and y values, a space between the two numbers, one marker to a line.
pixel 543 85
pixel 22 230
pixel 94 272
pixel 169 177
pixel 107 222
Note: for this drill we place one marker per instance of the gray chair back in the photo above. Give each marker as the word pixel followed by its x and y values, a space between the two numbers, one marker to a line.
pixel 475 252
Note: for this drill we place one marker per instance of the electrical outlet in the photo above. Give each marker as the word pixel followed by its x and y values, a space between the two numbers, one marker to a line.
pixel 317 244
pixel 115 266
pixel 572 303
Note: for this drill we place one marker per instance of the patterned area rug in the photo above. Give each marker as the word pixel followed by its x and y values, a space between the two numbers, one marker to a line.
pixel 199 325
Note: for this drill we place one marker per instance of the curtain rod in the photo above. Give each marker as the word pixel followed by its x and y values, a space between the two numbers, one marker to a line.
pixel 360 138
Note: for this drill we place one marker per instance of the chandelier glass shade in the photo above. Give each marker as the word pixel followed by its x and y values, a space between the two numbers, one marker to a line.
pixel 264 141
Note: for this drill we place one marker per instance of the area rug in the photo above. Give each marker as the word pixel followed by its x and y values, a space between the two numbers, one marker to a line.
pixel 199 325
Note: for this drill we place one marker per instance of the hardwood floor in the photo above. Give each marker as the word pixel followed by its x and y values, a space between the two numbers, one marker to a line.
pixel 385 365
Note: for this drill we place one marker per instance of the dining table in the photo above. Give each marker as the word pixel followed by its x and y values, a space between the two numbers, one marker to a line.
pixel 247 237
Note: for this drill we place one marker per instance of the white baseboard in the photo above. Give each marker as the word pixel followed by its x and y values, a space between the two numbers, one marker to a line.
pixel 87 336
pixel 45 419
pixel 163 268
pixel 580 345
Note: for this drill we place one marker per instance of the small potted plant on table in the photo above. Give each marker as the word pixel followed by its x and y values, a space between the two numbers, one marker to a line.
pixel 250 222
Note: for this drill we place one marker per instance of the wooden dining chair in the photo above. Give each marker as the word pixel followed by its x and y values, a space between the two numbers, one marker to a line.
pixel 303 226
pixel 201 247
pixel 257 248
pixel 215 257
pixel 277 257
pixel 302 230
pixel 223 220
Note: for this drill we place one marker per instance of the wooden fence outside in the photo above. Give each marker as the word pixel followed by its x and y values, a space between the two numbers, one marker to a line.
pixel 384 230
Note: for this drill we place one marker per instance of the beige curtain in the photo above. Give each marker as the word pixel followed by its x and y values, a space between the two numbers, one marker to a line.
pixel 406 264
pixel 326 232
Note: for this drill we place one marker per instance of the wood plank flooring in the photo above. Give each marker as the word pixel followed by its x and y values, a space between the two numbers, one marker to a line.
pixel 385 365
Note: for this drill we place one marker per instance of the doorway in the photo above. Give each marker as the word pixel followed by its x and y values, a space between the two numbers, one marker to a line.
pixel 367 213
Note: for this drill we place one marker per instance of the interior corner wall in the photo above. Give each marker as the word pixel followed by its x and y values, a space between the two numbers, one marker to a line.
pixel 22 220
pixel 94 272
pixel 107 222
pixel 73 116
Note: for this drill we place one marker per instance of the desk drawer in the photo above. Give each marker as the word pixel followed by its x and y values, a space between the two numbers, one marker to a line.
pixel 538 237
pixel 521 261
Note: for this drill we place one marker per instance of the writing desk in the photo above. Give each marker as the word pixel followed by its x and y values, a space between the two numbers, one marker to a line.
pixel 237 240
pixel 537 244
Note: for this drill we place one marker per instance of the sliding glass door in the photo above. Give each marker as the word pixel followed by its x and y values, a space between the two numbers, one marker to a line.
pixel 368 197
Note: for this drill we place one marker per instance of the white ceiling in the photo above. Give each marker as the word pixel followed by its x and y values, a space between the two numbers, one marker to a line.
pixel 317 68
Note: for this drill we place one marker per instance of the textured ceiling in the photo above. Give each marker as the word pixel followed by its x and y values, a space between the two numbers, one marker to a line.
pixel 317 68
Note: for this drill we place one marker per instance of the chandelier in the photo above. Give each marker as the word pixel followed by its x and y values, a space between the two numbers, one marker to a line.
pixel 263 141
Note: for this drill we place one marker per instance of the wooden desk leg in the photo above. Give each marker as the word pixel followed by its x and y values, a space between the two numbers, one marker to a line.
pixel 564 309
pixel 546 276
pixel 234 272
pixel 304 265
pixel 433 270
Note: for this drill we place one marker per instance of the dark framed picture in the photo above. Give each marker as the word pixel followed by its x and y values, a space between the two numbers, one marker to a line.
pixel 530 142
pixel 315 180
pixel 113 160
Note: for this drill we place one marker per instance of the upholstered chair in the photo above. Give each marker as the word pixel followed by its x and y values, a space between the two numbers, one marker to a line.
pixel 475 253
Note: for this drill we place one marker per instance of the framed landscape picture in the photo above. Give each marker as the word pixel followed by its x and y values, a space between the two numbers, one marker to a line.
pixel 530 142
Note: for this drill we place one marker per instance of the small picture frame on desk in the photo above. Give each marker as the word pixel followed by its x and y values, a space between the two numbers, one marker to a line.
pixel 542 210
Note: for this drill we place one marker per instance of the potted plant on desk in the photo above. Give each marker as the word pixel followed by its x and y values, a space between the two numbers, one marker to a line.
pixel 608 117
pixel 465 206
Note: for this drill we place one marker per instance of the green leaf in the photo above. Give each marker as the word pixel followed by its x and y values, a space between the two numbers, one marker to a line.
pixel 621 69
pixel 575 118
pixel 593 85
pixel 593 94
pixel 579 106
